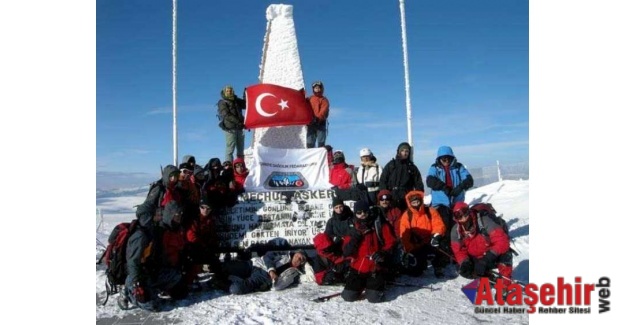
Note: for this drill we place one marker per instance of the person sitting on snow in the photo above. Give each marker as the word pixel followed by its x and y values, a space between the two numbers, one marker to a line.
pixel 477 251
pixel 274 269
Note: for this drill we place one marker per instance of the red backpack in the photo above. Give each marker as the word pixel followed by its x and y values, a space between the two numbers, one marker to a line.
pixel 115 256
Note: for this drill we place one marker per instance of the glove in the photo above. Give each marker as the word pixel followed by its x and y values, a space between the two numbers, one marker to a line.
pixel 447 191
pixel 333 249
pixel 341 267
pixel 481 267
pixel 456 191
pixel 329 278
pixel 139 293
pixel 466 269
pixel 436 240
pixel 409 260
pixel 378 257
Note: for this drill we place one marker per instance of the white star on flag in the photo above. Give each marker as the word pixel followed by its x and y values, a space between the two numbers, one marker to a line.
pixel 283 104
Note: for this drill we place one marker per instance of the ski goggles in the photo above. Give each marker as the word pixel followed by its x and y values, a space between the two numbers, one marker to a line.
pixel 459 214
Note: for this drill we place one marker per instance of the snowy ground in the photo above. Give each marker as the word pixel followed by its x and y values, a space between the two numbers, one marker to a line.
pixel 444 303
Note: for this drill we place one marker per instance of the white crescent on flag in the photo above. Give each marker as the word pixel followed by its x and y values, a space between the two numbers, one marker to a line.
pixel 259 108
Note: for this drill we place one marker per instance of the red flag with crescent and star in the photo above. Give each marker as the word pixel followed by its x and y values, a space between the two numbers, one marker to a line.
pixel 272 105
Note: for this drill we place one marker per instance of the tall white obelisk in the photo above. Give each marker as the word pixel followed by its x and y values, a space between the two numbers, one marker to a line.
pixel 280 65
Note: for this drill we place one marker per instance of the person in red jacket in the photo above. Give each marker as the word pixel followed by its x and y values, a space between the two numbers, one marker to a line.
pixel 317 129
pixel 368 249
pixel 203 243
pixel 328 265
pixel 477 251
pixel 341 174
pixel 240 174
pixel 393 216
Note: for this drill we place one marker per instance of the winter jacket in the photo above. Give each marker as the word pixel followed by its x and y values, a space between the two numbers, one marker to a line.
pixel 338 224
pixel 151 249
pixel 436 179
pixel 239 178
pixel 273 261
pixel 361 247
pixel 202 234
pixel 327 262
pixel 160 193
pixel 231 111
pixel 471 242
pixel 320 106
pixel 342 175
pixel 393 216
pixel 369 175
pixel 416 228
pixel 400 176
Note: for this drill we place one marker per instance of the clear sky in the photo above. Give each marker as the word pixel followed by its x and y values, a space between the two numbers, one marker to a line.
pixel 468 65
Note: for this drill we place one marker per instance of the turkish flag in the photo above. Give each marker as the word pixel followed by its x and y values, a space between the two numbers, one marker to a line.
pixel 272 105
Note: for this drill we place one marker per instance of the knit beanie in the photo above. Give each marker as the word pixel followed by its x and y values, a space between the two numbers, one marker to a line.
pixel 336 201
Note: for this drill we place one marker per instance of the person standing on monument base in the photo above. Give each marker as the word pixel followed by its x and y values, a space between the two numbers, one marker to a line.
pixel 317 129
pixel 231 121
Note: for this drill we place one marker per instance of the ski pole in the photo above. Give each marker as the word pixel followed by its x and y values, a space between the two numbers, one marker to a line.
pixel 327 297
pixel 401 284
pixel 446 254
pixel 498 275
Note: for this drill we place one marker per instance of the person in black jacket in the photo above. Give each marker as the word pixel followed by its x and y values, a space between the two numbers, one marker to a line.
pixel 231 114
pixel 401 175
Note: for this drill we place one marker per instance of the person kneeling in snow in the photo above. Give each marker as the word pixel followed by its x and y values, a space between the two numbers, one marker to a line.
pixel 369 248
pixel 154 262
pixel 273 269
pixel 329 264
pixel 478 251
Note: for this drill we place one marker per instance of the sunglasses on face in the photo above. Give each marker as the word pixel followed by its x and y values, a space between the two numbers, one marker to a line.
pixel 445 158
pixel 383 200
pixel 361 212
pixel 204 207
pixel 174 174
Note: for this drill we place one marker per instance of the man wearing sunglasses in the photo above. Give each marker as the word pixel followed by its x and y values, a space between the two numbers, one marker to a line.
pixel 478 251
pixel 369 249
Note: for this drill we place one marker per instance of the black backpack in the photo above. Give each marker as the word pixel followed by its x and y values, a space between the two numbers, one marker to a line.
pixel 115 256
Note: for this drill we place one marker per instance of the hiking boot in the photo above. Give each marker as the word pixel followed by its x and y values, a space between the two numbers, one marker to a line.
pixel 122 301
pixel 439 272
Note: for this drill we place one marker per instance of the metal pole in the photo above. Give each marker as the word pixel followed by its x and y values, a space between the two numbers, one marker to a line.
pixel 173 53
pixel 406 78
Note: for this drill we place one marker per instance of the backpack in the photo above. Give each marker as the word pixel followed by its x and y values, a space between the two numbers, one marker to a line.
pixel 115 256
pixel 486 209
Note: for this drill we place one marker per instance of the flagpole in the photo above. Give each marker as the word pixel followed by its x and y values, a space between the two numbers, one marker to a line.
pixel 406 78
pixel 173 53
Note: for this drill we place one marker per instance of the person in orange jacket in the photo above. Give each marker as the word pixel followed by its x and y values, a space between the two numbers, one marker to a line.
pixel 317 129
pixel 421 232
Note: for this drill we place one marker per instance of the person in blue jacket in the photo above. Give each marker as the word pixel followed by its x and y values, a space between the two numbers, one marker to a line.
pixel 449 180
